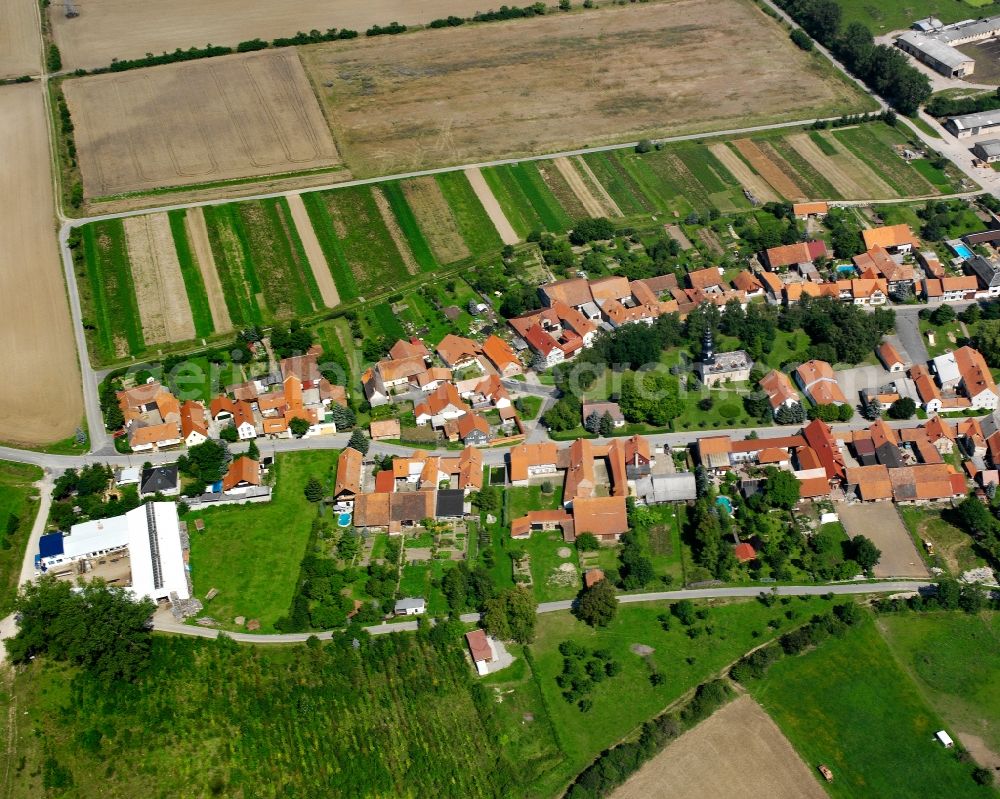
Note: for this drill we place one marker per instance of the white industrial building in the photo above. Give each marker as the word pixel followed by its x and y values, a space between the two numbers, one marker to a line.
pixel 935 44
pixel 148 536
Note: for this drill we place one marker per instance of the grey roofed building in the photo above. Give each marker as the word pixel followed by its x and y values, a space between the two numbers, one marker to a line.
pixel 938 55
pixel 990 424
pixel 450 503
pixel 973 124
pixel 985 271
pixel 410 605
pixel 889 456
pixel 159 480
pixel 988 150
pixel 657 489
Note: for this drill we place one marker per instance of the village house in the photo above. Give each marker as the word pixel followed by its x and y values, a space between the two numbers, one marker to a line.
pixel 894 238
pixel 810 209
pixel 350 474
pixel 950 289
pixel 890 357
pixel 480 650
pixel 748 283
pixel 385 430
pixel 987 276
pixel 819 383
pixel 502 356
pixel 779 390
pixel 242 474
pixel 794 255
pixel 612 409
pixel 194 427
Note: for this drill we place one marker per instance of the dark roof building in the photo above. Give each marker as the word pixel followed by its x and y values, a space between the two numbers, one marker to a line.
pixel 450 503
pixel 159 480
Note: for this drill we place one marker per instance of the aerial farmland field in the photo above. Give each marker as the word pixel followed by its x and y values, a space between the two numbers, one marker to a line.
pixel 20 53
pixel 197 122
pixel 35 328
pixel 516 88
pixel 109 29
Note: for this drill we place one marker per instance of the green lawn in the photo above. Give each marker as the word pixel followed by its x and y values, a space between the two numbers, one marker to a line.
pixel 942 341
pixel 251 553
pixel 16 489
pixel 931 173
pixel 849 705
pixel 955 660
pixel 477 230
pixel 521 499
pixel 662 540
pixel 424 580
pixel 110 302
pixel 527 202
pixel 531 404
pixel 194 285
pixel 891 15
pixel 386 321
pixel 623 702
pixel 550 582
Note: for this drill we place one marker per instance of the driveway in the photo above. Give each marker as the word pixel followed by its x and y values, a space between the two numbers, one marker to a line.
pixel 908 332
pixel 852 381
pixel 880 522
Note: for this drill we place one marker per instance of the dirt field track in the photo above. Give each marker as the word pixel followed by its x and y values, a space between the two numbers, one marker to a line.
pixel 40 392
pixel 564 81
pixel 20 45
pixel 194 221
pixel 196 122
pixel 314 253
pixel 738 752
pixel 492 207
pixel 108 29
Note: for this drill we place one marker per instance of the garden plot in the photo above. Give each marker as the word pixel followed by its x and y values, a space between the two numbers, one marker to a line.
pixel 590 204
pixel 159 285
pixel 195 122
pixel 492 207
pixel 481 91
pixel 314 253
pixel 194 222
pixel 593 185
pixel 731 161
pixel 769 170
pixel 435 218
pixel 850 177
pixel 558 180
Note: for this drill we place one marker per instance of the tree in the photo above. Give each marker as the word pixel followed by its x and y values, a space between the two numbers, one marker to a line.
pixel 113 418
pixel 343 416
pixel 782 488
pixel 229 433
pixel 903 408
pixel 793 414
pixel 943 315
pixel 298 426
pixel 865 553
pixel 98 627
pixel 360 442
pixel 53 59
pixel 975 518
pixel 871 409
pixel 684 612
pixel 607 425
pixel 587 542
pixel 206 461
pixel 592 424
pixel 253 452
pixel 511 615
pixel 487 499
pixel 598 604
pixel 314 490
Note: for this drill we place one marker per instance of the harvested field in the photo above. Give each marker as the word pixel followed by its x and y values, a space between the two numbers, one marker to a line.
pixel 320 269
pixel 430 99
pixel 40 393
pixel 196 122
pixel 590 204
pixel 559 184
pixel 198 235
pixel 20 46
pixel 760 189
pixel 849 176
pixel 156 274
pixel 108 29
pixel 768 170
pixel 492 207
pixel 591 182
pixel 435 218
pixel 737 751
pixel 394 232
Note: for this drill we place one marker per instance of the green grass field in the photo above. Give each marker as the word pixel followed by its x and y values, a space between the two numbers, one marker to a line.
pixel 891 15
pixel 872 144
pixel 628 195
pixel 251 553
pixel 386 321
pixel 280 264
pixel 234 263
pixel 955 660
pixel 397 716
pixel 355 241
pixel 475 226
pixel 527 202
pixel 118 328
pixel 623 702
pixel 408 224
pixel 849 705
pixel 15 489
pixel 194 285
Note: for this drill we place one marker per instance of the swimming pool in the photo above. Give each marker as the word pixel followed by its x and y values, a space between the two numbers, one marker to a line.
pixel 344 520
pixel 726 503
pixel 961 250
pixel 845 269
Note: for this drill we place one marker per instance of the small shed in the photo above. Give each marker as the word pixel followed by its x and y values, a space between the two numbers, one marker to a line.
pixel 410 606
pixel 945 739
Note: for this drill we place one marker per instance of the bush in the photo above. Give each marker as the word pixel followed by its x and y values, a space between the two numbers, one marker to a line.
pixel 53 59
pixel 801 39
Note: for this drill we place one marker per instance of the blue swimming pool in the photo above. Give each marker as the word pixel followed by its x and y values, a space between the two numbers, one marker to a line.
pixel 344 520
pixel 845 269
pixel 725 503
pixel 961 250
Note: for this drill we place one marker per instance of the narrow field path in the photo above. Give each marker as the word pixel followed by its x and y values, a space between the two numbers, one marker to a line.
pixel 580 189
pixel 317 261
pixel 609 201
pixel 491 206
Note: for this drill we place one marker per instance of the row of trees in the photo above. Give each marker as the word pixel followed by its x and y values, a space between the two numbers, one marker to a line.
pixel 885 69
